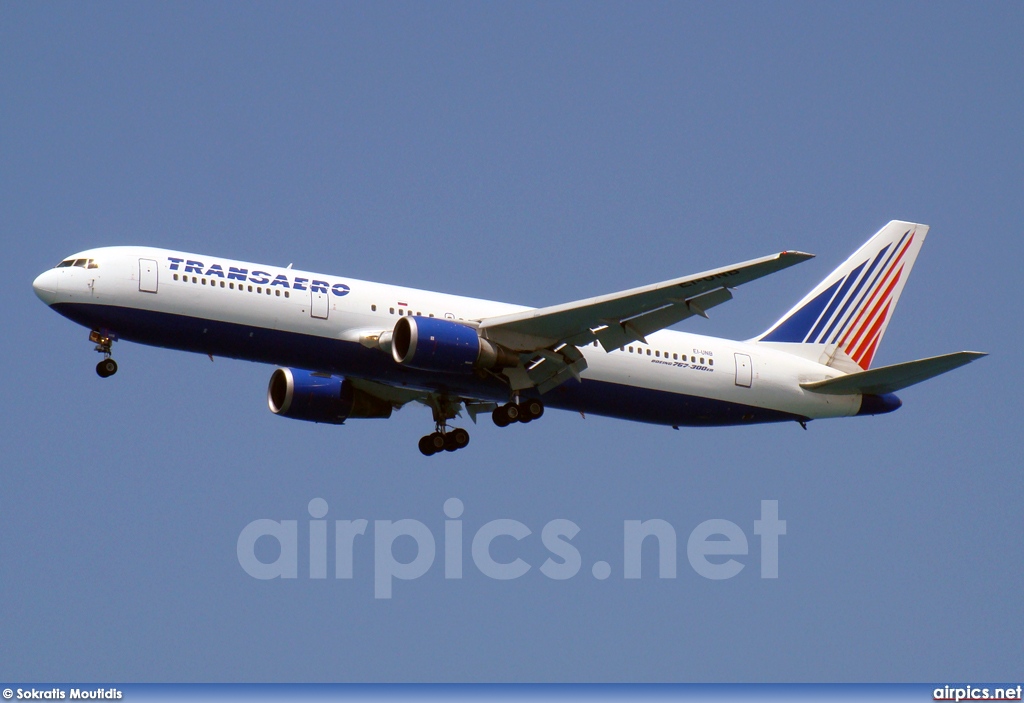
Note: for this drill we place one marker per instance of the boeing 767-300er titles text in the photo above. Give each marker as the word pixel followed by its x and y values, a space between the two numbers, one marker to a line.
pixel 354 349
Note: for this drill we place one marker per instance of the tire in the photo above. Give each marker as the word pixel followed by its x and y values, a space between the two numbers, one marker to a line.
pixel 106 368
pixel 436 440
pixel 512 412
pixel 533 408
pixel 449 442
pixel 500 417
pixel 460 437
pixel 426 448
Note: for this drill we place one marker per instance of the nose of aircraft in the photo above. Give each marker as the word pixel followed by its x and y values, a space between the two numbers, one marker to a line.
pixel 45 286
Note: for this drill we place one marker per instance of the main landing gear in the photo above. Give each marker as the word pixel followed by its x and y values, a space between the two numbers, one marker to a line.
pixel 525 411
pixel 443 440
pixel 107 367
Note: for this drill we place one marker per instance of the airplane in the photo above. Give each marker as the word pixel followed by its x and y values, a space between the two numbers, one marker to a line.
pixel 348 349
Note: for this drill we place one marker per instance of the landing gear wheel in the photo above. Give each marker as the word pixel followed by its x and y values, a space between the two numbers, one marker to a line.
pixel 426 447
pixel 106 368
pixel 436 440
pixel 532 409
pixel 500 417
pixel 459 437
pixel 456 439
pixel 512 412
pixel 431 444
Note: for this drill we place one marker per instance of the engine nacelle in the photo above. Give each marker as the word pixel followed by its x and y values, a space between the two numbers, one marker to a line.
pixel 433 344
pixel 303 395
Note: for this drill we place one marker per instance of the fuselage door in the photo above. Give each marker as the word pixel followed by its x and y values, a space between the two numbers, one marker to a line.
pixel 744 372
pixel 147 276
pixel 318 304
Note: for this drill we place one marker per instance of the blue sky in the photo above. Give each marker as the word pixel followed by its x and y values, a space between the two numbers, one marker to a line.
pixel 534 153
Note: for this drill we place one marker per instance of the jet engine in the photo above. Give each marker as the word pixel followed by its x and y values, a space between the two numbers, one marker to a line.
pixel 433 344
pixel 316 397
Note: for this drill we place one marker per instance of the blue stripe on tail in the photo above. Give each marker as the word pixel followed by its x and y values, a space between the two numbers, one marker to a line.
pixel 797 325
pixel 847 283
pixel 853 296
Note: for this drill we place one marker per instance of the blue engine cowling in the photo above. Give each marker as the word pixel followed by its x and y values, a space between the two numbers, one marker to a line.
pixel 433 344
pixel 304 395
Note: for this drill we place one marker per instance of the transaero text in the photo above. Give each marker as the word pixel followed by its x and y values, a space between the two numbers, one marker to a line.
pixel 260 278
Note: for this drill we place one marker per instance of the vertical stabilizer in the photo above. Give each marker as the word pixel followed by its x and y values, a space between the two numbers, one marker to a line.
pixel 842 321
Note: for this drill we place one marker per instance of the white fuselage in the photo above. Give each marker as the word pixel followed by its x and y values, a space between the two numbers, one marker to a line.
pixel 320 322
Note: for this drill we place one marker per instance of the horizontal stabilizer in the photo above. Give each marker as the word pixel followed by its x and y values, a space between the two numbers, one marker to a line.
pixel 889 379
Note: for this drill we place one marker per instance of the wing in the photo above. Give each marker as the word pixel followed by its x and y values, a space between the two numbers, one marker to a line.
pixel 620 318
pixel 444 406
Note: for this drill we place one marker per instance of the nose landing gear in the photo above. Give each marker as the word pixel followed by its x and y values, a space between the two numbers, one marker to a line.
pixel 107 367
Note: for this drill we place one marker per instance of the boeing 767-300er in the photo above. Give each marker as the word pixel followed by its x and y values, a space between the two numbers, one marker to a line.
pixel 353 349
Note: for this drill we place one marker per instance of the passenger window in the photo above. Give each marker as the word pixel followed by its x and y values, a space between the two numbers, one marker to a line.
pixel 631 350
pixel 711 362
pixel 231 285
pixel 250 289
pixel 286 294
pixel 175 277
pixel 195 280
pixel 648 352
pixel 204 281
pixel 277 292
pixel 675 357
pixel 373 307
pixel 259 289
pixel 392 311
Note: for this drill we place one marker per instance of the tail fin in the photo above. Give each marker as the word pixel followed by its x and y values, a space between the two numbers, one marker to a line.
pixel 841 322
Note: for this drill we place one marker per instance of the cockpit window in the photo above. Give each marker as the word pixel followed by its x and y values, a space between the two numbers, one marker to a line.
pixel 81 263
